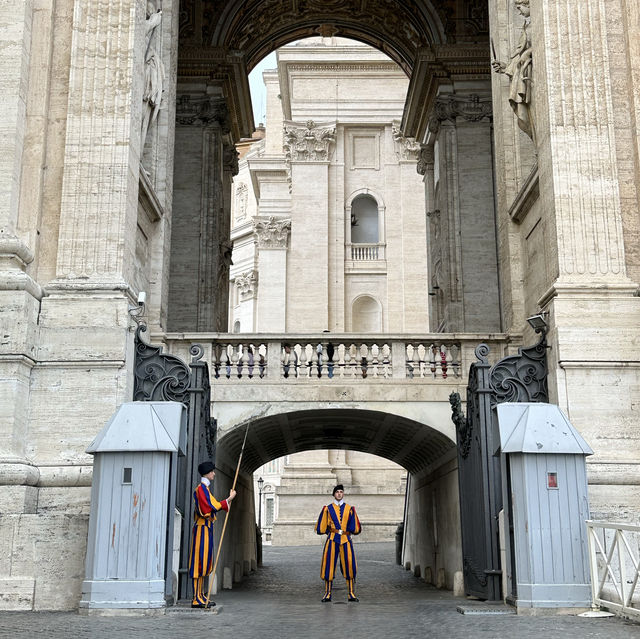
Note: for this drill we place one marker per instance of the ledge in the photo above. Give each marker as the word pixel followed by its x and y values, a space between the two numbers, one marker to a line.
pixel 526 197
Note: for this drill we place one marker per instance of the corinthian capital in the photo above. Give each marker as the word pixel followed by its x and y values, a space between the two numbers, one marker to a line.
pixel 271 232
pixel 308 142
pixel 202 111
pixel 406 148
pixel 471 108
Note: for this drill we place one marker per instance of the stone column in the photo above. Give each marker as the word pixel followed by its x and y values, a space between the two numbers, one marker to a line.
pixel 272 235
pixel 579 58
pixel 19 294
pixel 308 150
pixel 205 162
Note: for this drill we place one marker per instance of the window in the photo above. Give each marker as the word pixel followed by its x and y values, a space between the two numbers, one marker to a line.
pixel 364 220
pixel 269 511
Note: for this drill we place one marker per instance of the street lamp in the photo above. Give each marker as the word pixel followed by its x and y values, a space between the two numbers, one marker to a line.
pixel 260 486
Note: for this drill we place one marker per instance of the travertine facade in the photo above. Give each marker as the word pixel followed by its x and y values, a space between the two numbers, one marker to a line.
pixel 92 212
pixel 279 254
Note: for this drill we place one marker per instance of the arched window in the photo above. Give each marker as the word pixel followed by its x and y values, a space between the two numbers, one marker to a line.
pixel 366 315
pixel 364 220
pixel 236 326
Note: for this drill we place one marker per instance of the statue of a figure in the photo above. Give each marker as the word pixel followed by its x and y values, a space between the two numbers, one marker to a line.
pixel 519 71
pixel 153 71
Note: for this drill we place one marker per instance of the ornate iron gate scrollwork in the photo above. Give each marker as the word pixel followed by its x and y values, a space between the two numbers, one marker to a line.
pixel 517 378
pixel 163 377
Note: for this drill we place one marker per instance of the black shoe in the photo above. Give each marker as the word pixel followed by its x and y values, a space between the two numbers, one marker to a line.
pixel 211 604
pixel 326 599
pixel 353 599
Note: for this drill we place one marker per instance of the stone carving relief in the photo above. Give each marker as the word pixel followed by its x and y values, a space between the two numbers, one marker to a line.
pixel 203 111
pixel 425 159
pixel 242 197
pixel 247 284
pixel 271 232
pixel 406 148
pixel 470 108
pixel 308 142
pixel 519 70
pixel 436 249
pixel 230 159
pixel 153 69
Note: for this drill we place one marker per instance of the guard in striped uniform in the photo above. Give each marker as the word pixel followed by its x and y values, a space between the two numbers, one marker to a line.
pixel 204 514
pixel 338 521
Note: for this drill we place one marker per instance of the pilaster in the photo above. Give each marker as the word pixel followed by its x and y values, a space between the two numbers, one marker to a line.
pixel 308 150
pixel 201 246
pixel 272 239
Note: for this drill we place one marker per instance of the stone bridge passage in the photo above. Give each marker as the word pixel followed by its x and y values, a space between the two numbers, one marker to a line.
pixel 282 599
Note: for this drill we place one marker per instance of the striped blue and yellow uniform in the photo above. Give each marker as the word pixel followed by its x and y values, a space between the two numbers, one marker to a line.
pixel 201 553
pixel 339 523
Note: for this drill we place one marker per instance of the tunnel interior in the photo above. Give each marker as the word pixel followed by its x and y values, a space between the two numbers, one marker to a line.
pixel 411 444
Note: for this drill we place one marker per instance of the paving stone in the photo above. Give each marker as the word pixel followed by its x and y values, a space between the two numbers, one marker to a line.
pixel 283 599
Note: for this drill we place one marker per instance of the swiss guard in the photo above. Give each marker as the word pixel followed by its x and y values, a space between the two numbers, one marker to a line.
pixel 338 521
pixel 201 553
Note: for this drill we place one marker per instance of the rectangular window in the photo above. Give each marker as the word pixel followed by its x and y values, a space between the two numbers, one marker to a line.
pixel 126 475
pixel 269 511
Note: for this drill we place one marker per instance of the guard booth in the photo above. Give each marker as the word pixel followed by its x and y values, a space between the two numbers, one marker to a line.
pixel 545 497
pixel 133 494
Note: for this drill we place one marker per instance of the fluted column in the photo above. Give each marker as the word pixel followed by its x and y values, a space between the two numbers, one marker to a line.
pixel 577 143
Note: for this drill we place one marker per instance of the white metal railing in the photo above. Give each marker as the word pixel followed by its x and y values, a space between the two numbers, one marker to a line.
pixel 322 358
pixel 614 555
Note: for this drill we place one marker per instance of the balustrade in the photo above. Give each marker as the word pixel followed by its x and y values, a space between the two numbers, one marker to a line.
pixel 365 252
pixel 316 358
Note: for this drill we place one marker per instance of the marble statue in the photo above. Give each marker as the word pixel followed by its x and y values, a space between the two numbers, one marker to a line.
pixel 519 72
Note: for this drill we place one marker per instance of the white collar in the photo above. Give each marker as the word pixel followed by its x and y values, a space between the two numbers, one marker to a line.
pixel 338 503
pixel 205 481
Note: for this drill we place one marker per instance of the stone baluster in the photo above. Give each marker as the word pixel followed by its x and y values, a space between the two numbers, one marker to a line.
pixel 342 363
pixel 364 360
pixel 375 351
pixel 314 362
pixel 422 356
pixel 408 357
pixel 243 359
pixel 416 360
pixel 215 361
pixel 303 368
pixel 433 363
pixel 387 366
pixel 235 357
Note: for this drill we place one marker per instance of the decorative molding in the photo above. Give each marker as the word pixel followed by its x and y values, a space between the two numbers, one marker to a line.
pixel 202 111
pixel 230 157
pixel 425 159
pixel 271 232
pixel 406 148
pixel 470 108
pixel 434 66
pixel 308 142
pixel 241 201
pixel 526 197
pixel 247 284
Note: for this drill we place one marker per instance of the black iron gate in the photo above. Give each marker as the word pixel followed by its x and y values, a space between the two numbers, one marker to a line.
pixel 517 378
pixel 163 377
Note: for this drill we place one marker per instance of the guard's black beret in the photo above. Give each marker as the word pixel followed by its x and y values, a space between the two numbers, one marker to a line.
pixel 205 468
pixel 338 487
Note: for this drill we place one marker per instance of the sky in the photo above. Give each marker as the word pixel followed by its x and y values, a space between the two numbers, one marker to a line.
pixel 258 91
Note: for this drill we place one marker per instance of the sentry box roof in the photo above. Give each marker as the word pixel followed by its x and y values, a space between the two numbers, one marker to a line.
pixel 144 426
pixel 538 428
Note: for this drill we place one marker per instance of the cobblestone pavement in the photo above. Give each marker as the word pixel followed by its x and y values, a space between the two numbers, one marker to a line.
pixel 283 600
